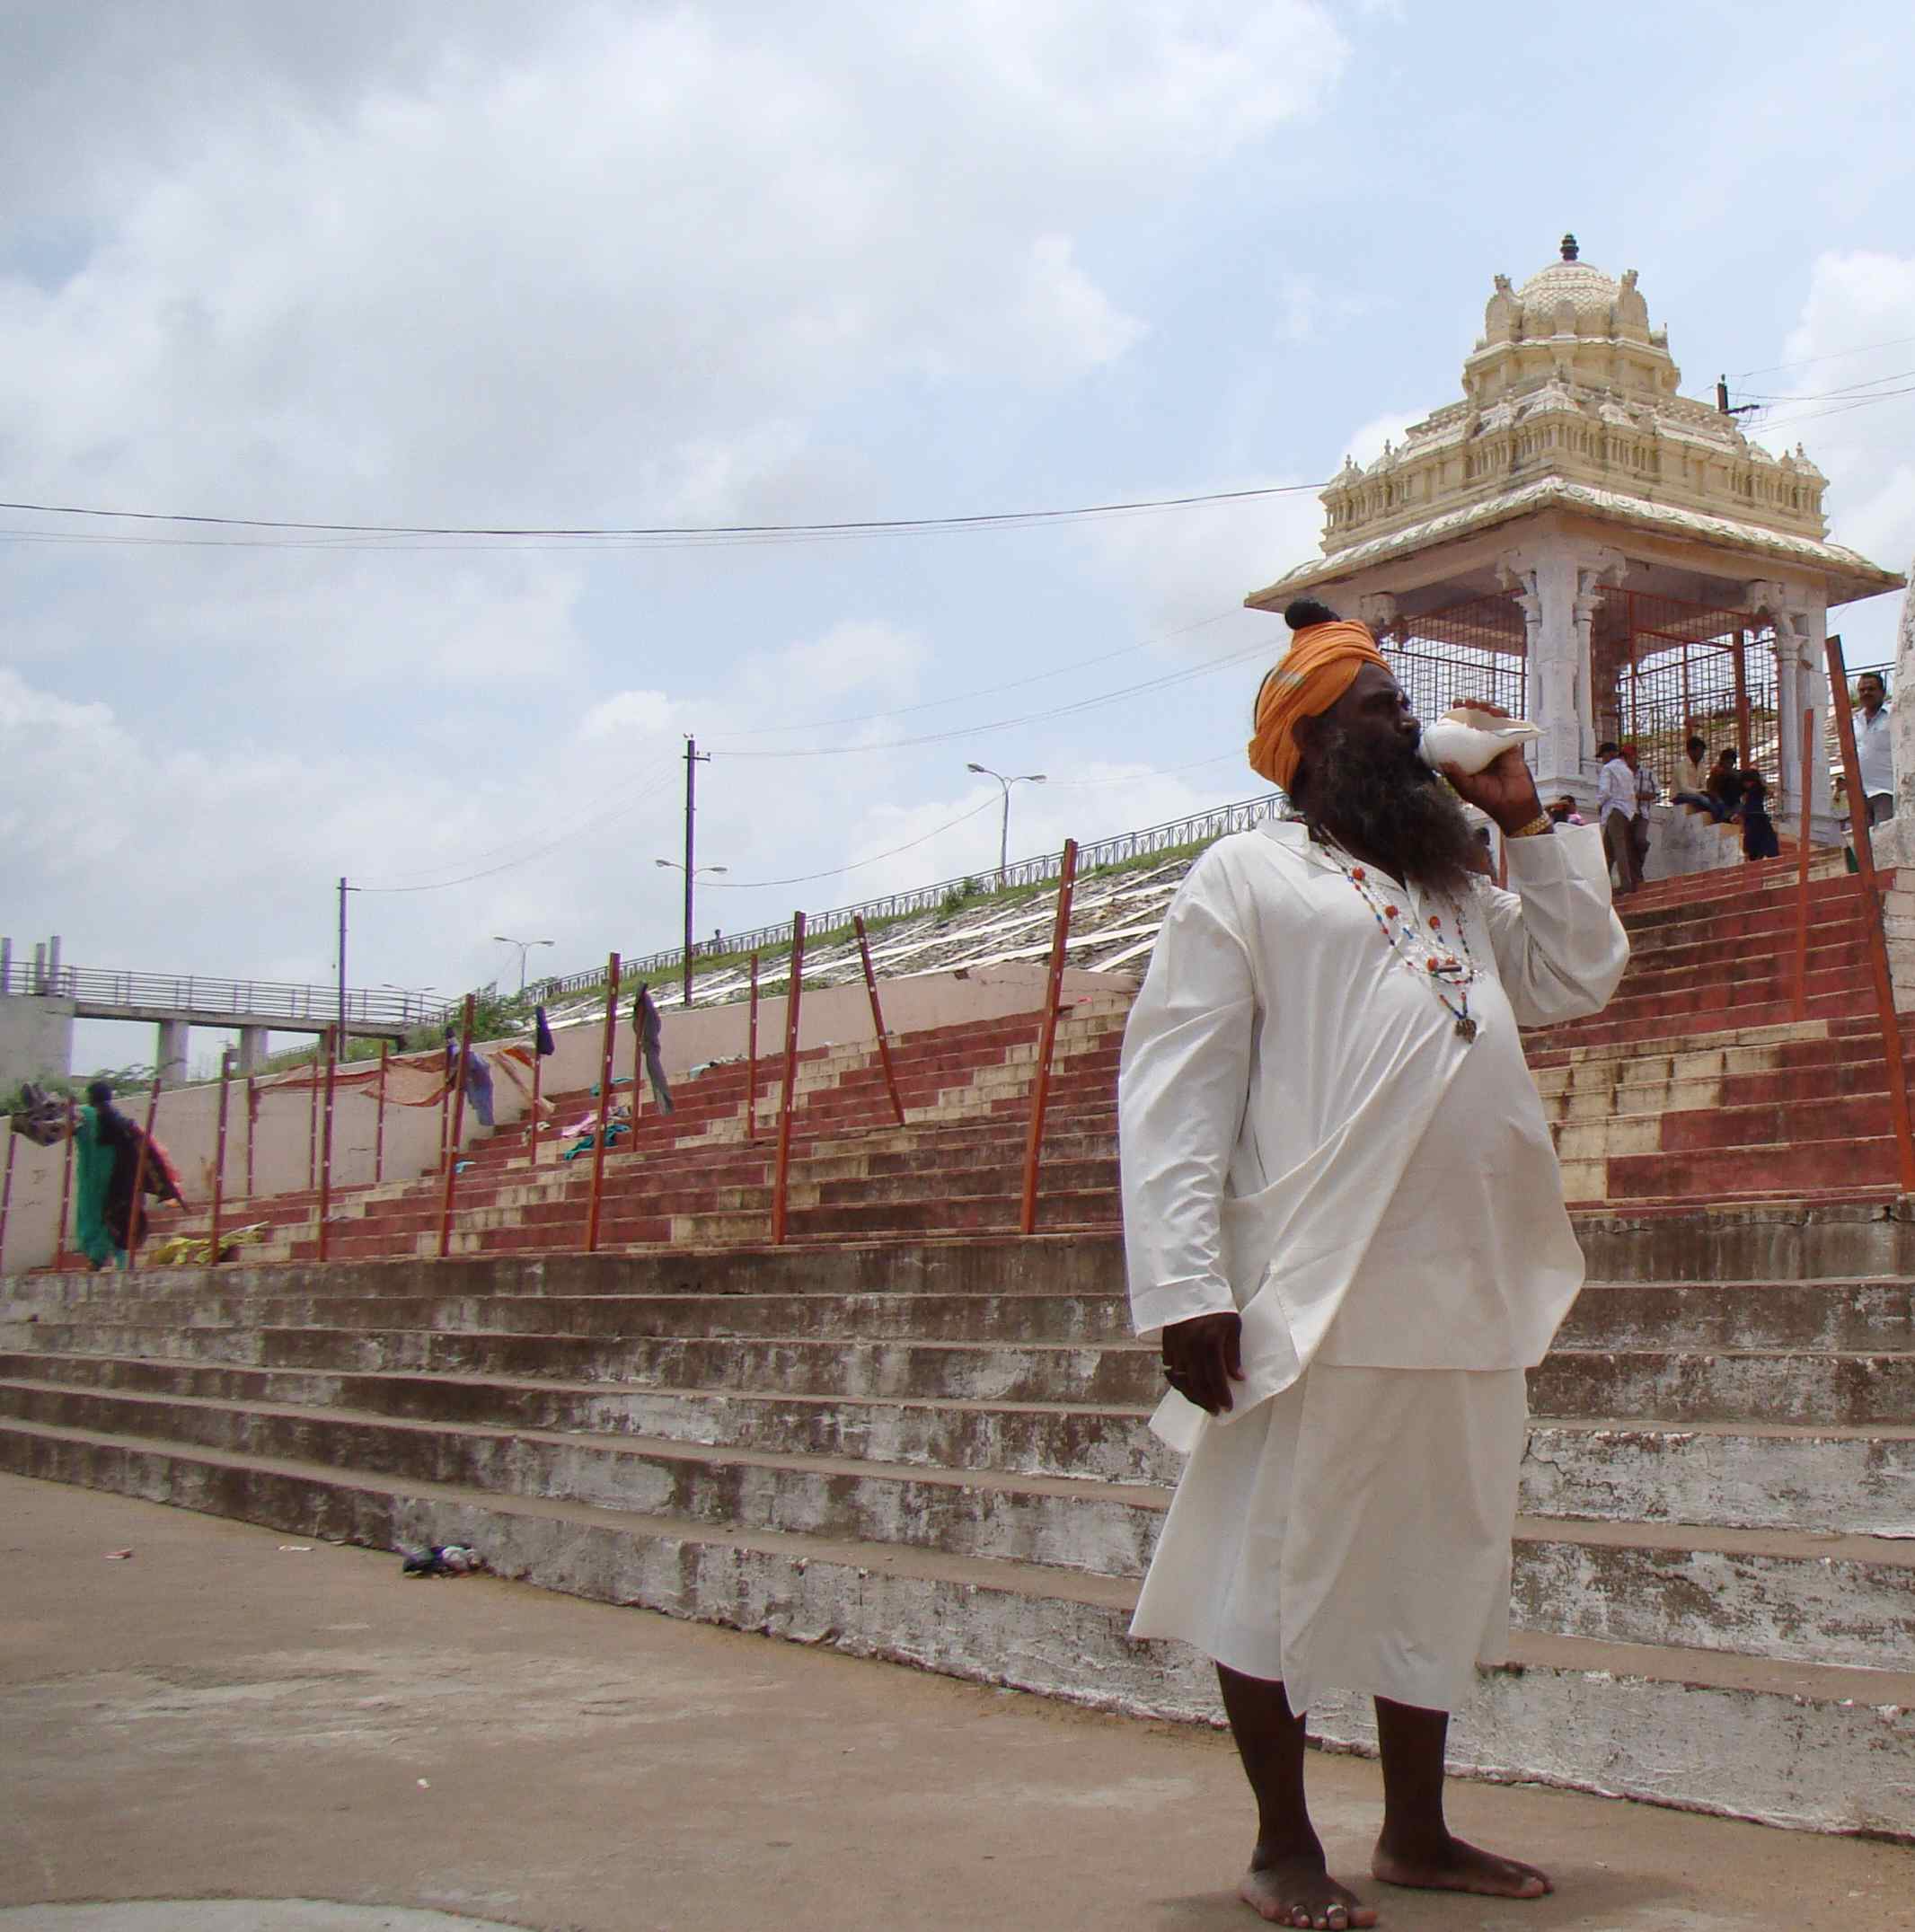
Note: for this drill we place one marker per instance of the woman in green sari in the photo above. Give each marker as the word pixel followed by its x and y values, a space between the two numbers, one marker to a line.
pixel 106 1225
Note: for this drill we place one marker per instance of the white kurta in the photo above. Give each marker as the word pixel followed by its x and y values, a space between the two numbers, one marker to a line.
pixel 1306 1138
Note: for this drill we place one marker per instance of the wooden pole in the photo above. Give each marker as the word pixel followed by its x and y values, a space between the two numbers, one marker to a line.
pixel 136 1214
pixel 877 1018
pixel 253 1114
pixel 385 1049
pixel 313 1131
pixel 1040 1092
pixel 331 1048
pixel 59 1237
pixel 219 1157
pixel 1864 859
pixel 455 1128
pixel 782 1171
pixel 750 1059
pixel 6 1196
pixel 604 1104
pixel 1802 866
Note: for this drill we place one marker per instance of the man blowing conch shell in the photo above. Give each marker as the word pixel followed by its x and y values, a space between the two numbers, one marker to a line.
pixel 1343 1212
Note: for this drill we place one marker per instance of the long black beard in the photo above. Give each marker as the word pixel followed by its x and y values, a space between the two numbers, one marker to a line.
pixel 1397 812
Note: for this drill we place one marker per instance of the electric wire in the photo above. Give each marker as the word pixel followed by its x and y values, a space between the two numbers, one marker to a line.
pixel 1834 355
pixel 571 833
pixel 1768 423
pixel 806 878
pixel 1831 396
pixel 1073 710
pixel 985 690
pixel 1131 778
pixel 669 533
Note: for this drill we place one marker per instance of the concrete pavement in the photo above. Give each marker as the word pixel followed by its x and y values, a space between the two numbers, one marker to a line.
pixel 217 1716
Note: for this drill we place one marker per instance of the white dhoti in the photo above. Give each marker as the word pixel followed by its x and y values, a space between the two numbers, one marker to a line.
pixel 1351 1532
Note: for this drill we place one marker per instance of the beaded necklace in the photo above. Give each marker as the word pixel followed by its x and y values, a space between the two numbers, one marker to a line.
pixel 1443 970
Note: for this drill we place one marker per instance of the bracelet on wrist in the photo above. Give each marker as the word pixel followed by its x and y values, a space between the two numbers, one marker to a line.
pixel 1541 824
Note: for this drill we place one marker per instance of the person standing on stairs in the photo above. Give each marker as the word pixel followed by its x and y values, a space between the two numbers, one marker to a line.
pixel 1343 1215
pixel 1760 841
pixel 1647 791
pixel 108 1224
pixel 650 1030
pixel 1875 746
pixel 476 1076
pixel 1616 808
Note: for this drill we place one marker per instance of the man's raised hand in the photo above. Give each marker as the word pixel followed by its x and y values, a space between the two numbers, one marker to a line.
pixel 1203 1356
pixel 1504 790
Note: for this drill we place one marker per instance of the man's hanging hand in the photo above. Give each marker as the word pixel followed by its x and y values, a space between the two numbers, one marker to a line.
pixel 1203 1356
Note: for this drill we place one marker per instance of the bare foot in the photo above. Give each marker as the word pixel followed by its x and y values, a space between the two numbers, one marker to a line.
pixel 1299 1891
pixel 1453 1865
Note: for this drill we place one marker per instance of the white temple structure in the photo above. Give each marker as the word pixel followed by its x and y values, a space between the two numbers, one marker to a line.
pixel 1577 541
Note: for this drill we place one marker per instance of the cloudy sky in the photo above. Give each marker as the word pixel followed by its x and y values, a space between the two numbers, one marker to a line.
pixel 636 265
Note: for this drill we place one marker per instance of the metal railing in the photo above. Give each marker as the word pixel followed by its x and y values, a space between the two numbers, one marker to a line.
pixel 386 1009
pixel 1123 847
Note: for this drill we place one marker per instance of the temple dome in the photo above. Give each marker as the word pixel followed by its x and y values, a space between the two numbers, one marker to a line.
pixel 1584 287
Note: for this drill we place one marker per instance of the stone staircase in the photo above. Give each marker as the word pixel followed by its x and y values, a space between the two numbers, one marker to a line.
pixel 693 1177
pixel 934 1451
pixel 912 1434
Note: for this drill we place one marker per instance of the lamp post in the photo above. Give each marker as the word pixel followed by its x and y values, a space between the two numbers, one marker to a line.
pixel 406 995
pixel 673 865
pixel 1004 840
pixel 525 946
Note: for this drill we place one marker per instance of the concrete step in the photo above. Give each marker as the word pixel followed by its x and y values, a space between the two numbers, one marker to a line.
pixel 1728 1173
pixel 1743 1476
pixel 1781 1594
pixel 1816 1746
pixel 1859 1316
pixel 1849 1389
pixel 1796 1315
pixel 1106 1374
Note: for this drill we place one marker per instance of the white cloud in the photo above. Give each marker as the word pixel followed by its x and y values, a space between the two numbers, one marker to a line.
pixel 1070 323
pixel 619 260
pixel 1843 347
pixel 624 713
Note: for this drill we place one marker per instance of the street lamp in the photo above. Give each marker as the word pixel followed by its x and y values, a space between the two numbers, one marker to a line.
pixel 406 995
pixel 672 865
pixel 1003 840
pixel 525 946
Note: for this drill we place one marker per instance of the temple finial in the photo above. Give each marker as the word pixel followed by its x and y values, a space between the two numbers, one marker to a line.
pixel 1570 250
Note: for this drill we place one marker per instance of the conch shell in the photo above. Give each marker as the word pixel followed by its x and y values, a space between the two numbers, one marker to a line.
pixel 1470 739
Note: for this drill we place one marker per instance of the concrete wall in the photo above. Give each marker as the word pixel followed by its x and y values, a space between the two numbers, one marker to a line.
pixel 1682 841
pixel 36 1039
pixel 186 1122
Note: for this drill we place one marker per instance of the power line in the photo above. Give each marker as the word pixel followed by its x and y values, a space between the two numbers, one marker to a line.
pixel 986 691
pixel 748 884
pixel 1029 718
pixel 1834 355
pixel 1131 778
pixel 537 851
pixel 1831 396
pixel 573 832
pixel 673 533
pixel 1769 423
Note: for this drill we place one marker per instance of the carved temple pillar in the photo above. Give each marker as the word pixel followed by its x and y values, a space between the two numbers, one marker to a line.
pixel 1800 620
pixel 1559 586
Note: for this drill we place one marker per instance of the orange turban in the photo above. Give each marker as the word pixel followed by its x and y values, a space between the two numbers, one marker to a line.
pixel 1320 665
